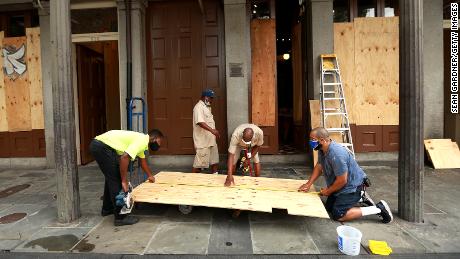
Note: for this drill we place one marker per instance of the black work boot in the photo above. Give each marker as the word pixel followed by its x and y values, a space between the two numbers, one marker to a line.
pixel 106 212
pixel 127 220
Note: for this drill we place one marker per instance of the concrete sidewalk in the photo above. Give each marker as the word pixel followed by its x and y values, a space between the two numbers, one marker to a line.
pixel 164 230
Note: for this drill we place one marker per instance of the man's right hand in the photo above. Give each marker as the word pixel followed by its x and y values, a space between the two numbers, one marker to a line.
pixel 125 186
pixel 229 181
pixel 304 187
pixel 215 133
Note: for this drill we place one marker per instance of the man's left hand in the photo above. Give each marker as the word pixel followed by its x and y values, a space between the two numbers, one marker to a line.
pixel 151 179
pixel 324 192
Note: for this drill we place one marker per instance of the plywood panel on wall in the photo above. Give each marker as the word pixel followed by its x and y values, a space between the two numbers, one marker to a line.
pixel 34 73
pixel 263 46
pixel 376 71
pixel 368 54
pixel 3 113
pixel 344 41
pixel 16 81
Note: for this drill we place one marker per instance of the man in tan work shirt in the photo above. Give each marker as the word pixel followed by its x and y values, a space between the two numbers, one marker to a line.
pixel 205 134
pixel 249 137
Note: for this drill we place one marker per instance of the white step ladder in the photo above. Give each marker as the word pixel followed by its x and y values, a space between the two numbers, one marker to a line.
pixel 332 101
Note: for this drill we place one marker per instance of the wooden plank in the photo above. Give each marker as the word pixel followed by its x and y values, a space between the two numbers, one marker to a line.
pixel 3 113
pixel 263 47
pixel 376 71
pixel 344 41
pixel 35 77
pixel 443 153
pixel 16 85
pixel 112 91
pixel 315 121
pixel 297 73
pixel 249 193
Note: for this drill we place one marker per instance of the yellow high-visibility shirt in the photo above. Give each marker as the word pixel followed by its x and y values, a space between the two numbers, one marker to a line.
pixel 131 142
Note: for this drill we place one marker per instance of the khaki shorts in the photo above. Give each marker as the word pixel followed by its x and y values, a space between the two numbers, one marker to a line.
pixel 254 159
pixel 205 157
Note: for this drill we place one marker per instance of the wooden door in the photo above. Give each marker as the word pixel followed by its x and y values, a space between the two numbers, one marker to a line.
pixel 185 56
pixel 91 98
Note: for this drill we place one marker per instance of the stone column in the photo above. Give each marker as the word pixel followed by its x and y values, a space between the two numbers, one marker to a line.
pixel 411 156
pixel 45 48
pixel 68 199
pixel 320 40
pixel 237 54
pixel 138 44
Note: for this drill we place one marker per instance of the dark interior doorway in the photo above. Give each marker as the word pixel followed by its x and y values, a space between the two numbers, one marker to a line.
pixel 98 92
pixel 289 77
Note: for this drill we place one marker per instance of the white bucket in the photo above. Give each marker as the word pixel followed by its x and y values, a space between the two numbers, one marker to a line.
pixel 349 239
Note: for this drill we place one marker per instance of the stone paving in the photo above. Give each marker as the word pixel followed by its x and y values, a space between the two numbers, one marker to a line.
pixel 164 230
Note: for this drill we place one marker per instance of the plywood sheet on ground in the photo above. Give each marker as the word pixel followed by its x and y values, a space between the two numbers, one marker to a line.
pixel 443 153
pixel 249 193
pixel 16 84
pixel 3 113
pixel 263 46
pixel 35 77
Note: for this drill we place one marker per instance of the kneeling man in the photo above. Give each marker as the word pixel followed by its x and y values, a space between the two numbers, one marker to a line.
pixel 344 179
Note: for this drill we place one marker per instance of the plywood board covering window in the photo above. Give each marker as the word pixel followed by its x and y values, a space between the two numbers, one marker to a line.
pixel 368 53
pixel 263 46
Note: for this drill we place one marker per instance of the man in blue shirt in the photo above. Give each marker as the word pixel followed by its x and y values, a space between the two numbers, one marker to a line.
pixel 344 180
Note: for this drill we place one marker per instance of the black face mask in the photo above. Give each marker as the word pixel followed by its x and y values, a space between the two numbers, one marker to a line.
pixel 154 146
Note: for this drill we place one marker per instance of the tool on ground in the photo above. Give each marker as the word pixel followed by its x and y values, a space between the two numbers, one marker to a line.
pixel 379 247
pixel 125 200
pixel 332 101
pixel 135 118
pixel 245 155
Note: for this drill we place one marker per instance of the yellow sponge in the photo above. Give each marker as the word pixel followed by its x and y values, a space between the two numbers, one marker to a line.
pixel 379 247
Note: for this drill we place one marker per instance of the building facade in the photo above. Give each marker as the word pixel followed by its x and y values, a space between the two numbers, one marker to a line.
pixel 260 57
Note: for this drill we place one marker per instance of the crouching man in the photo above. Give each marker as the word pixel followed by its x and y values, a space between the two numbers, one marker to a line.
pixel 112 151
pixel 344 179
pixel 247 138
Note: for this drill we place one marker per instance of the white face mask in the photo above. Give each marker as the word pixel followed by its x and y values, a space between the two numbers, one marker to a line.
pixel 207 102
pixel 244 143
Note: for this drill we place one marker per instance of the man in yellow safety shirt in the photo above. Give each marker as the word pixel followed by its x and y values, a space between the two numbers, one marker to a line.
pixel 113 150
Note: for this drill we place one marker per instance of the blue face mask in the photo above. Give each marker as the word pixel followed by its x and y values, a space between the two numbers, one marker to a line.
pixel 314 144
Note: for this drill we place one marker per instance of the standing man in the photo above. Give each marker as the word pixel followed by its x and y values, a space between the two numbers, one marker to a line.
pixel 113 150
pixel 205 134
pixel 344 179
pixel 246 137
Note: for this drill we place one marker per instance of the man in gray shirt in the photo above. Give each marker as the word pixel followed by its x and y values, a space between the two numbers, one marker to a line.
pixel 344 180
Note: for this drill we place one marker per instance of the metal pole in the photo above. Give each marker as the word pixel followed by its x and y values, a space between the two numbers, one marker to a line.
pixel 129 62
